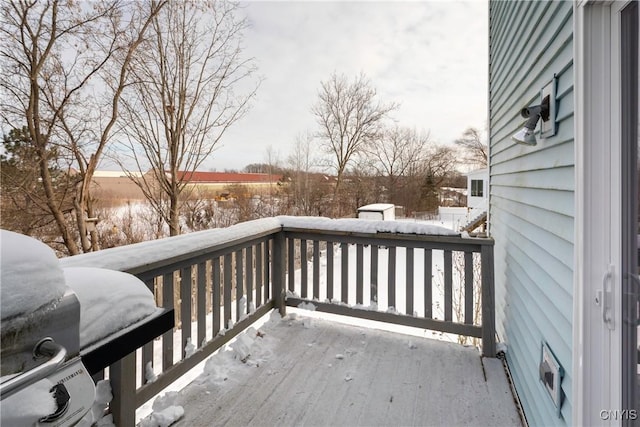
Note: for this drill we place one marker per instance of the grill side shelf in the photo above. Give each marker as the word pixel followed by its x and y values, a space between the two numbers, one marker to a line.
pixel 105 352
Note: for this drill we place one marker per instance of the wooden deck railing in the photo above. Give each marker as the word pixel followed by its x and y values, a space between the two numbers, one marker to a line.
pixel 221 281
pixel 339 286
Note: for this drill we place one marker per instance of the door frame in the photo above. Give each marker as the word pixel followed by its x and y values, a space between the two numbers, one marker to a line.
pixel 597 367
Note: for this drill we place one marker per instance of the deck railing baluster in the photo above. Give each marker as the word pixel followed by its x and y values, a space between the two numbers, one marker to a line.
pixel 202 303
pixel 344 282
pixel 409 284
pixel 259 274
pixel 267 268
pixel 291 260
pixel 391 278
pixel 239 284
pixel 428 284
pixel 215 295
pixel 249 276
pixel 304 270
pixel 468 288
pixel 329 270
pixel 374 274
pixel 185 307
pixel 488 303
pixel 278 279
pixel 448 286
pixel 316 269
pixel 359 274
pixel 167 337
pixel 122 375
pixel 147 349
pixel 227 273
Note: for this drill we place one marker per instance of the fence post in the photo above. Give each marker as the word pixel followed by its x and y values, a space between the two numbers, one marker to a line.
pixel 488 303
pixel 122 375
pixel 279 277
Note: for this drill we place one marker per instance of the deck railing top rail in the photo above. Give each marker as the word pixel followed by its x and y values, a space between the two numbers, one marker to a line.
pixel 142 257
pixel 152 255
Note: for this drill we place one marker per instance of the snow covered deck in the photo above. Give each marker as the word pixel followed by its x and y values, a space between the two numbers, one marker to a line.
pixel 220 281
pixel 318 372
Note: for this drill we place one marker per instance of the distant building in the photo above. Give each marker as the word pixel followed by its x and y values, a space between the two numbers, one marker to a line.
pixel 478 189
pixel 381 211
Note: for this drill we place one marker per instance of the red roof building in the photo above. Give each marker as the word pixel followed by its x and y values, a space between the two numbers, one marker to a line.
pixel 228 178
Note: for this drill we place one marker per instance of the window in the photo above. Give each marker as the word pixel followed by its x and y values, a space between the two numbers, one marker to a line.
pixel 477 188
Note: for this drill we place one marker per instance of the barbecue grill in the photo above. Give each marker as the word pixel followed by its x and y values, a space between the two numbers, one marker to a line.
pixel 41 350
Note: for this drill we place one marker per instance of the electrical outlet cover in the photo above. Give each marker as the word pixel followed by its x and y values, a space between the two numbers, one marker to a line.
pixel 548 127
pixel 555 389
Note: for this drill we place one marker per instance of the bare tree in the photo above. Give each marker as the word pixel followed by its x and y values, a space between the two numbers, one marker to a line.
pixel 359 187
pixel 476 151
pixel 272 161
pixel 121 46
pixel 439 165
pixel 350 117
pixel 184 96
pixel 301 160
pixel 399 155
pixel 53 54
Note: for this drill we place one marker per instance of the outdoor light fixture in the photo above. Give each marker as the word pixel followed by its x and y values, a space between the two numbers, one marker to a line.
pixel 546 111
pixel 527 135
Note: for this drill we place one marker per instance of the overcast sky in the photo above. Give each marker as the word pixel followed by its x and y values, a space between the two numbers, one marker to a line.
pixel 429 56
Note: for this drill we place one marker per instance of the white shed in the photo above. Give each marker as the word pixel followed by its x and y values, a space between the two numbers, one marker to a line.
pixel 383 211
pixel 478 189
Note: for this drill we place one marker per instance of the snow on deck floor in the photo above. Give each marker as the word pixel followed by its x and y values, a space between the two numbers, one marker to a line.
pixel 318 372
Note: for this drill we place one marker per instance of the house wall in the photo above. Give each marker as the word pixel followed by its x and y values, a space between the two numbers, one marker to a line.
pixel 532 196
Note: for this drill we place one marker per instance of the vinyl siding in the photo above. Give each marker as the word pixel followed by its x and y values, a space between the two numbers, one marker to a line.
pixel 532 196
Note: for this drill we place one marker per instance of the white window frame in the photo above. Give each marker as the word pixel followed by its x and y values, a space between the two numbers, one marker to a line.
pixel 474 193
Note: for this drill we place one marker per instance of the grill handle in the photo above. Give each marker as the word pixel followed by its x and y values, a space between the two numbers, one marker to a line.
pixel 46 347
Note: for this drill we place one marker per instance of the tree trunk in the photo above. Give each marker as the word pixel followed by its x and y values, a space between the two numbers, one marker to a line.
pixel 82 225
pixel 337 202
pixel 68 240
pixel 174 215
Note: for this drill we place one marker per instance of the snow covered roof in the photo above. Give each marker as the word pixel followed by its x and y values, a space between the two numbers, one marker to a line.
pixel 377 207
pixel 478 172
pixel 116 174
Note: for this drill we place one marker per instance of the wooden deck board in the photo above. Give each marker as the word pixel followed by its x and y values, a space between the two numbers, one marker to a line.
pixel 381 378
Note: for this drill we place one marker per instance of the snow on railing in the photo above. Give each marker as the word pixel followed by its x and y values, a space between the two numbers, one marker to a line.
pixel 220 281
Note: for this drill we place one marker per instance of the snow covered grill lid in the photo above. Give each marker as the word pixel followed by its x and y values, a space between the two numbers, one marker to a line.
pixel 35 302
pixel 30 278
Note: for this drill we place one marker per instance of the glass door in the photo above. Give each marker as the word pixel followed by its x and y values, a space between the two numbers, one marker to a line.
pixel 630 214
